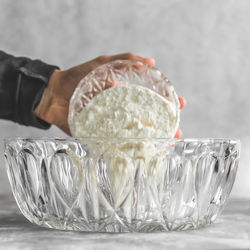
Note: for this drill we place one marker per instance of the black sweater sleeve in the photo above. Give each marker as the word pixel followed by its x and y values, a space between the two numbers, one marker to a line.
pixel 22 82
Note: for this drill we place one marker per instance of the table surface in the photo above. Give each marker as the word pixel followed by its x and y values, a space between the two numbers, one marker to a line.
pixel 230 231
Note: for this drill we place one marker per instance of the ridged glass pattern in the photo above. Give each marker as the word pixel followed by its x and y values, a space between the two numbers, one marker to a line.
pixel 77 184
pixel 115 73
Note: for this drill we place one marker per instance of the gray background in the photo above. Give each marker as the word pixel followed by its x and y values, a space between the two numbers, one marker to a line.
pixel 202 46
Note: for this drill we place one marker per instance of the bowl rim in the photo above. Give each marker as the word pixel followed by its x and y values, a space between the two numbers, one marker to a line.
pixel 81 139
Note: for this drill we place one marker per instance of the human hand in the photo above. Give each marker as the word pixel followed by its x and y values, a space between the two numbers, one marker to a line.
pixel 182 101
pixel 54 105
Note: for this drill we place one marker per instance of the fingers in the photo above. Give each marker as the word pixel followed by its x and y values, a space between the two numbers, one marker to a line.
pixel 182 102
pixel 131 56
pixel 85 68
pixel 150 61
pixel 178 133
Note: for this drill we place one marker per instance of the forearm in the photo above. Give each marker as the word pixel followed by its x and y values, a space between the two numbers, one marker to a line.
pixel 22 83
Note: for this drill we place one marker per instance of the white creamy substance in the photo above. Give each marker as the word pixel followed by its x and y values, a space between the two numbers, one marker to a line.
pixel 129 111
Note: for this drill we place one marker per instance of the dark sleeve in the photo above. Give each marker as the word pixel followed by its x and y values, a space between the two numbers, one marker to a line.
pixel 22 82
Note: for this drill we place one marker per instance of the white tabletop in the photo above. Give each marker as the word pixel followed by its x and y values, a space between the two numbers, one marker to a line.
pixel 230 231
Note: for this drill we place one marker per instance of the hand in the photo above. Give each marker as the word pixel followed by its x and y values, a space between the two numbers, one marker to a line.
pixel 182 105
pixel 54 105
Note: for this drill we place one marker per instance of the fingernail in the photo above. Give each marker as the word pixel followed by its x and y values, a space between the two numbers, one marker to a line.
pixel 182 101
pixel 178 134
pixel 151 61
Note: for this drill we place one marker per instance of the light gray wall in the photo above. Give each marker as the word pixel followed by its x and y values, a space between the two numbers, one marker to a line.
pixel 202 46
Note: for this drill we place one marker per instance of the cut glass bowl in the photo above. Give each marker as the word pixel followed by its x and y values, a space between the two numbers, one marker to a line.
pixel 117 73
pixel 103 185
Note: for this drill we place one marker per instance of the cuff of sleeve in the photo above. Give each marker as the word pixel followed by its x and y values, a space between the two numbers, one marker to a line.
pixel 32 80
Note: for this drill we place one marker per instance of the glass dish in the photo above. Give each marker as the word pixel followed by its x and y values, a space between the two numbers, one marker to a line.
pixel 104 185
pixel 117 73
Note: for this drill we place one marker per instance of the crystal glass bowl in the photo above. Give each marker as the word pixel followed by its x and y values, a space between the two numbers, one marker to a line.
pixel 121 72
pixel 121 185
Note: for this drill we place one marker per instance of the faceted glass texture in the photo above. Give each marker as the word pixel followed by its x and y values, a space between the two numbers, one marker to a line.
pixel 67 183
pixel 117 73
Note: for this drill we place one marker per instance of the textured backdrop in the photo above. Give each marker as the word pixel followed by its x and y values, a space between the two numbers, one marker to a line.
pixel 202 46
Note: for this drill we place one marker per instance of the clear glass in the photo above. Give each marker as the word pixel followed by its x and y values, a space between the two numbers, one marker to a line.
pixel 102 185
pixel 116 73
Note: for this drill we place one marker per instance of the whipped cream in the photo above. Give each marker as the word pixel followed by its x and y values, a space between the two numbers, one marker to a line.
pixel 127 111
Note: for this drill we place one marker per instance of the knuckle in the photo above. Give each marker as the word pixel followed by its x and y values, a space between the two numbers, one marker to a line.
pixel 130 55
pixel 103 58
